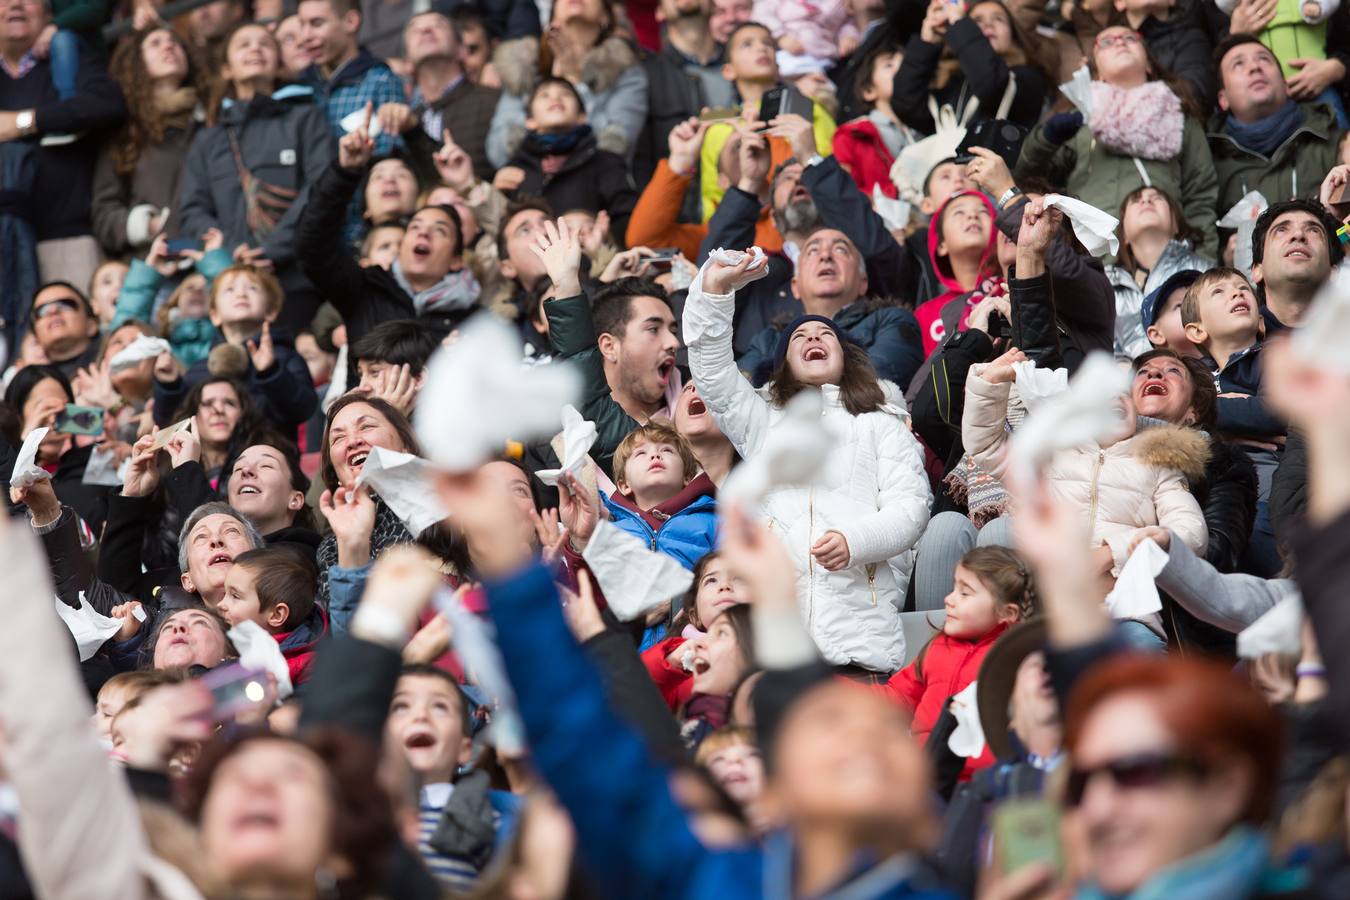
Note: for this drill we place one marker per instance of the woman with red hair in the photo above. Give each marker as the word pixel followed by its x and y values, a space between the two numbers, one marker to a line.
pixel 1174 768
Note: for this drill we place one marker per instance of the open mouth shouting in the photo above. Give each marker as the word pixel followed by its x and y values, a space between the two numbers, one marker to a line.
pixel 357 458
pixel 701 666
pixel 220 558
pixel 696 406
pixel 419 739
pixel 249 490
pixel 666 369
pixel 815 353
pixel 1154 388
pixel 422 249
pixel 1241 308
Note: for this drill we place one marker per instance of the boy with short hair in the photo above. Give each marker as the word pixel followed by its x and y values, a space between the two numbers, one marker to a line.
pixel 380 245
pixel 1222 317
pixel 1161 314
pixel 431 724
pixel 245 302
pixel 275 589
pixel 867 146
pixel 120 690
pixel 560 158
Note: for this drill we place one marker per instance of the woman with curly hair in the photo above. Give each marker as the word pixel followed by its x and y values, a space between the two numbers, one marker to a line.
pixel 138 173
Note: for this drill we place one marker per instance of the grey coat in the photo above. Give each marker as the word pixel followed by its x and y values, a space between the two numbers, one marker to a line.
pixel 1230 601
pixel 1177 256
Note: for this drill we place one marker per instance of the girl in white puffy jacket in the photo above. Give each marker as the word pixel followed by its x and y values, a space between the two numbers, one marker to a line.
pixel 850 533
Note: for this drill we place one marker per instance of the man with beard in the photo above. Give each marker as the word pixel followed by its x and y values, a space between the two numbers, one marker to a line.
pixel 684 78
pixel 836 253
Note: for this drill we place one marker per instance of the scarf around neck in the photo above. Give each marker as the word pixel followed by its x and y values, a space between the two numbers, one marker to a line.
pixel 1264 136
pixel 457 290
pixel 556 144
pixel 1144 121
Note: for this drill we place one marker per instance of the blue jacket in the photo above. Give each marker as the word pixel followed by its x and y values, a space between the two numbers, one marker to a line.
pixel 633 838
pixel 688 529
pixel 1244 416
pixel 191 339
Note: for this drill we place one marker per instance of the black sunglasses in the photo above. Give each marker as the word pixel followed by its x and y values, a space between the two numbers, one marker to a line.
pixel 51 306
pixel 1129 772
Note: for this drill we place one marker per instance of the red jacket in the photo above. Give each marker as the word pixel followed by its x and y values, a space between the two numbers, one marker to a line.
pixel 931 326
pixel 675 684
pixel 948 667
pixel 860 150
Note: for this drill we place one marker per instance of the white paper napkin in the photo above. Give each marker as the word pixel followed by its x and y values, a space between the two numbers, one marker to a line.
pixel 133 354
pixel 1325 334
pixel 1036 385
pixel 1242 217
pixel 259 651
pixel 90 628
pixel 103 468
pixel 1094 229
pixel 477 396
pixel 1078 89
pixel 476 646
pixel 633 578
pixel 1135 594
pixel 26 469
pixel 578 436
pixel 353 120
pixel 968 738
pixel 1085 413
pixel 403 482
pixel 895 213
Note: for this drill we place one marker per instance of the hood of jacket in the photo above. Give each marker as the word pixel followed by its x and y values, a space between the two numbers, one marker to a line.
pixel 260 106
pixel 701 486
pixel 350 72
pixel 1173 447
pixel 517 62
pixel 303 637
pixel 307 538
pixel 988 261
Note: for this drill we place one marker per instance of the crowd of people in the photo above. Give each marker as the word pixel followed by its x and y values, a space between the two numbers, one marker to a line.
pixel 542 449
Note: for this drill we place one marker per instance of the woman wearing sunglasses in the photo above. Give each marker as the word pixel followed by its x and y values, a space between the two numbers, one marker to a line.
pixel 1173 768
pixel 1144 130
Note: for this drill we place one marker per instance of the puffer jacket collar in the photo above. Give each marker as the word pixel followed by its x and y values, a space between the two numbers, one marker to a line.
pixel 517 62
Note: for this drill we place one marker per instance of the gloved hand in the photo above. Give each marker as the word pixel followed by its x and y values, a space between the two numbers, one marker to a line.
pixel 1062 126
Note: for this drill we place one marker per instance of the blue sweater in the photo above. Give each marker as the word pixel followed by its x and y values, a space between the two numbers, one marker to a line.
pixel 633 838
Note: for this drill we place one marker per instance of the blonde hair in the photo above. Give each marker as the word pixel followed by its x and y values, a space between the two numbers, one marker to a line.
pixel 721 739
pixel 654 433
pixel 164 317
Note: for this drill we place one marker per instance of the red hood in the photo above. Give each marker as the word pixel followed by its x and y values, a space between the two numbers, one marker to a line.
pixel 988 262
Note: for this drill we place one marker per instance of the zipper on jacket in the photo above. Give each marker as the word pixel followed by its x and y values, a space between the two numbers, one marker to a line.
pixel 872 580
pixel 1092 505
pixel 811 562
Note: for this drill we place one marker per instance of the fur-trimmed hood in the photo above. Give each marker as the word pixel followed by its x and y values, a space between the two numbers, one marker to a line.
pixel 1173 447
pixel 517 63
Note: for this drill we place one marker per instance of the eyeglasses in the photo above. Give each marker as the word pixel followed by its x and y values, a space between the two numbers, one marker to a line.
pixel 1106 43
pixel 51 306
pixel 1131 772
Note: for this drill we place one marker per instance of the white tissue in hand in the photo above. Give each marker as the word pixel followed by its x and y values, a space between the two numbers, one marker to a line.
pixel 633 578
pixel 354 120
pixel 259 651
pixel 968 738
pixel 1085 413
pixel 578 436
pixel 1094 229
pixel 1325 333
pixel 792 455
pixel 1279 630
pixel 102 468
pixel 1078 90
pixel 895 213
pixel 475 644
pixel 90 628
pixel 477 396
pixel 757 269
pixel 1242 217
pixel 1135 594
pixel 26 469
pixel 1036 385
pixel 403 482
pixel 138 351
pixel 701 316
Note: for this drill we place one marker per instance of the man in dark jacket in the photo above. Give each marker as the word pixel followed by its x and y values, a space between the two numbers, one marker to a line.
pixel 683 78
pixel 804 198
pixel 34 117
pixel 443 99
pixel 428 281
pixel 1261 139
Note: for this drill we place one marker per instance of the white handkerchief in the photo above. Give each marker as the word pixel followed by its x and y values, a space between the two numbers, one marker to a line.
pixel 734 257
pixel 1085 413
pixel 1094 229
pixel 1325 334
pixel 1135 595
pixel 259 651
pixel 1279 630
pixel 701 317
pixel 1079 91
pixel 791 65
pixel 1035 385
pixel 968 738
pixel 90 628
pixel 476 645
pixel 895 213
pixel 476 396
pixel 26 469
pixel 133 354
pixel 578 435
pixel 353 120
pixel 403 482
pixel 633 578
pixel 102 468
pixel 1243 217
pixel 793 453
